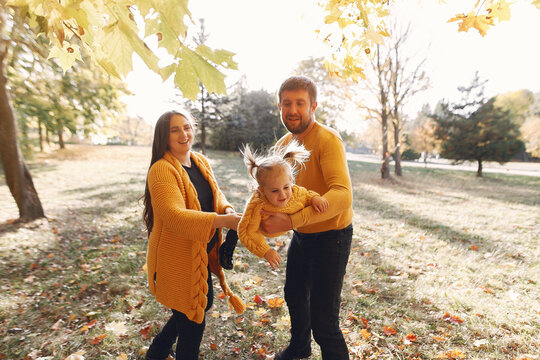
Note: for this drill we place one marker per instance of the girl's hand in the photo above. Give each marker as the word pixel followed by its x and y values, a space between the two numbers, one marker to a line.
pixel 273 258
pixel 320 204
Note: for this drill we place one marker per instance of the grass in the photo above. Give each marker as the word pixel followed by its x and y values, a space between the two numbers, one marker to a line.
pixel 443 265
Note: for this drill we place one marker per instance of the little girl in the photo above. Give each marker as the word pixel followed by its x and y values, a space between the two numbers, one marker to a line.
pixel 275 192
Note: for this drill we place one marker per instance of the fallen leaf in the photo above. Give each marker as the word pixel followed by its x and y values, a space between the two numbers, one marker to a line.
pixel 146 331
pixel 258 300
pixel 213 346
pixel 56 325
pixel 76 356
pixel 388 330
pixel 364 321
pixel 365 333
pixel 98 339
pixel 122 356
pixel 411 337
pixel 275 302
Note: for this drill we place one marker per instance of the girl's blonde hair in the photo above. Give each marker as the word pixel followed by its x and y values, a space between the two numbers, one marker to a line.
pixel 289 158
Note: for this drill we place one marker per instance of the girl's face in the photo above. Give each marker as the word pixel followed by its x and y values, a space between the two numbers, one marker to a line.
pixel 180 135
pixel 277 187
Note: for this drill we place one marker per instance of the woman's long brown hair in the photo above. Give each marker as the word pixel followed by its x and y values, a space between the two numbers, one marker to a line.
pixel 159 147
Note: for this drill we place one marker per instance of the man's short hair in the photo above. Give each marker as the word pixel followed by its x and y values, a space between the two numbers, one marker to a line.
pixel 299 83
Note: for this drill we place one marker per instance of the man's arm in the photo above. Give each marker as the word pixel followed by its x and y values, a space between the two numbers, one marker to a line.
pixel 335 172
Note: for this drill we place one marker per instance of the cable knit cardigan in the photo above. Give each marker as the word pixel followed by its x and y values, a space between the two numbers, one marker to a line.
pixel 177 259
pixel 248 229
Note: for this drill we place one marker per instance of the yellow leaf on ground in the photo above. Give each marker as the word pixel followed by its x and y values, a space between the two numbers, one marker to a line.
pixel 365 333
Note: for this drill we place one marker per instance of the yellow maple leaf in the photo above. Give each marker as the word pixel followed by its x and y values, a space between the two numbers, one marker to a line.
pixel 500 11
pixel 482 23
pixel 66 55
pixel 536 3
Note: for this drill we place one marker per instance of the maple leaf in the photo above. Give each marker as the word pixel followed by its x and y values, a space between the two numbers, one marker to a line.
pixel 275 302
pixel 482 23
pixel 411 337
pixel 536 3
pixel 365 333
pixel 389 331
pixel 145 332
pixel 500 11
pixel 76 356
pixel 258 300
pixel 116 327
pixel 98 339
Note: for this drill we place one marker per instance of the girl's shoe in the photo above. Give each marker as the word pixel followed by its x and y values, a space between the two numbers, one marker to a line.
pixel 226 250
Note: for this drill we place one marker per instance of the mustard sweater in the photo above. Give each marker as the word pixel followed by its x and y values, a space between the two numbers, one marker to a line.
pixel 248 228
pixel 327 173
pixel 177 260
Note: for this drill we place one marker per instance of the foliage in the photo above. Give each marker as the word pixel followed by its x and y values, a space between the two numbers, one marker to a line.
pixel 353 28
pixel 432 275
pixel 253 119
pixel 333 93
pixel 410 154
pixel 421 132
pixel 476 129
pixel 108 31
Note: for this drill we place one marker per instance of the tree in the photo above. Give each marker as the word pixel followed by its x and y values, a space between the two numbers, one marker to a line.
pixel 253 118
pixel 108 33
pixel 476 130
pixel 353 28
pixel 333 93
pixel 407 79
pixel 422 132
pixel 393 77
pixel 17 175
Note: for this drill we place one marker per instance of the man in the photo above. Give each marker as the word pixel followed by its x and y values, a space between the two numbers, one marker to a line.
pixel 321 243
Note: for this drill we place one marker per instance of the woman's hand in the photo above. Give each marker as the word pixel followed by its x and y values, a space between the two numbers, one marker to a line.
pixel 273 258
pixel 229 221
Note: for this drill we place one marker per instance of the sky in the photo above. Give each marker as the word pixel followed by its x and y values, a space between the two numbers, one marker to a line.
pixel 270 38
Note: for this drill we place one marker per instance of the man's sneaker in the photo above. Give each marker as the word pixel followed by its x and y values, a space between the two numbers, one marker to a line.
pixel 226 250
pixel 289 354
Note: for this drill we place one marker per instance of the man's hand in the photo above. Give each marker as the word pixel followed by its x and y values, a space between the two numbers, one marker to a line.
pixel 275 222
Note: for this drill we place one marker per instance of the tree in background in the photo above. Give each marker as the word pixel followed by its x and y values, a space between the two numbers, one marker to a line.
pixel 407 78
pixel 530 129
pixel 253 118
pixel 333 93
pixel 421 132
pixel 390 81
pixel 475 129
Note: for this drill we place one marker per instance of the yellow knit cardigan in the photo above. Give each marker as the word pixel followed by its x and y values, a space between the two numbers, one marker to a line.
pixel 177 260
pixel 249 232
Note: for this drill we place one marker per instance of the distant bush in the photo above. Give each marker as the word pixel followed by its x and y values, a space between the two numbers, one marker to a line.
pixel 410 155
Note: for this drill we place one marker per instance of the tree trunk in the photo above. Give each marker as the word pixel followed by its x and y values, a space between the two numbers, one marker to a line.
pixel 479 171
pixel 18 177
pixel 385 168
pixel 203 117
pixel 397 152
pixel 40 130
pixel 60 133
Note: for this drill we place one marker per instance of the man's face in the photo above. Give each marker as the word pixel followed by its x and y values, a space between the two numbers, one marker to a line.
pixel 296 110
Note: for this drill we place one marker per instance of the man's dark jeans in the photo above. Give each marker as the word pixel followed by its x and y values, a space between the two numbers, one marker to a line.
pixel 316 266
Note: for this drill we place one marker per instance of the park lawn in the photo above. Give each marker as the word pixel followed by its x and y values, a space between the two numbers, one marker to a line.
pixel 443 266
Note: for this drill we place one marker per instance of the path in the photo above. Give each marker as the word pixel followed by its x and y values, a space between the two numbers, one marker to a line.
pixel 514 168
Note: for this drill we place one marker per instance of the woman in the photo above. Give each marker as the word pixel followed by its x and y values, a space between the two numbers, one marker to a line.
pixel 184 211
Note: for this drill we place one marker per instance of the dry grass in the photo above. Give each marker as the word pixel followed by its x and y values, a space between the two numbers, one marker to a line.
pixel 441 255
